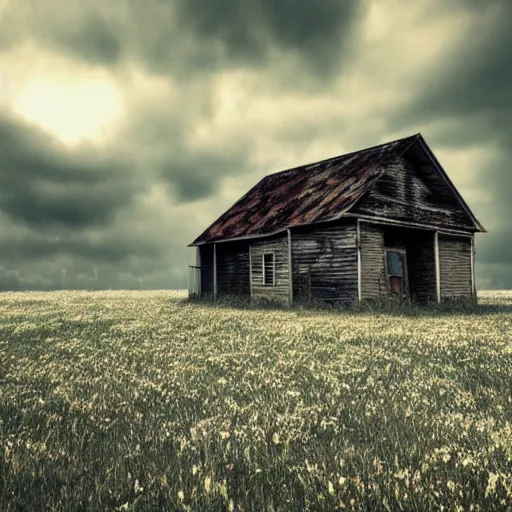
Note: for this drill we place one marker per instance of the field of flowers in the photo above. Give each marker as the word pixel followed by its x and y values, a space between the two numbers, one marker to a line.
pixel 143 401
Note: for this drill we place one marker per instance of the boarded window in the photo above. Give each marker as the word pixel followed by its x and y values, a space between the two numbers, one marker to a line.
pixel 268 269
pixel 395 264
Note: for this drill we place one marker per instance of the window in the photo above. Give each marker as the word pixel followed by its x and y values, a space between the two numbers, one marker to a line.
pixel 395 266
pixel 269 269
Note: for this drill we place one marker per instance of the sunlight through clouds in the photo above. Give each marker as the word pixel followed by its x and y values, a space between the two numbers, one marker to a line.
pixel 72 110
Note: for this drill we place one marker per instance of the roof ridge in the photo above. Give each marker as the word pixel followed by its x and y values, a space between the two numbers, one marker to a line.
pixel 344 155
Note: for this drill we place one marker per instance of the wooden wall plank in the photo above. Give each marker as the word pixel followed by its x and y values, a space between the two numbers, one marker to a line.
pixel 324 261
pixel 233 269
pixel 206 270
pixel 408 198
pixel 280 291
pixel 373 274
pixel 455 266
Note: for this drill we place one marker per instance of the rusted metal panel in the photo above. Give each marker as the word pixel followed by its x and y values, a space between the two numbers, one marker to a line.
pixel 280 290
pixel 233 269
pixel 455 266
pixel 326 190
pixel 303 195
pixel 324 263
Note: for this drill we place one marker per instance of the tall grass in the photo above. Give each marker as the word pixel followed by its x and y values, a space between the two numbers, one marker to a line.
pixel 145 401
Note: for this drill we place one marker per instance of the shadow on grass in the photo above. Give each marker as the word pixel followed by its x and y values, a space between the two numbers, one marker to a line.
pixel 389 307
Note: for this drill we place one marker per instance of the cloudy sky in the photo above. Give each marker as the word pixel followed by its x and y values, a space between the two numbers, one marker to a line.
pixel 127 127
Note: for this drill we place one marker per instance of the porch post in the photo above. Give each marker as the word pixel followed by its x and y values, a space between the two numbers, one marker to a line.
pixel 215 271
pixel 197 270
pixel 358 246
pixel 438 272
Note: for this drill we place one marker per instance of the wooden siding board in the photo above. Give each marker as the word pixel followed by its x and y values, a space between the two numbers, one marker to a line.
pixel 280 292
pixel 455 266
pixel 324 263
pixel 373 272
pixel 411 200
pixel 421 266
pixel 233 269
pixel 206 269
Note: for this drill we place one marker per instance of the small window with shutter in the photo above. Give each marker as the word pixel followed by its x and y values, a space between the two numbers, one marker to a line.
pixel 269 269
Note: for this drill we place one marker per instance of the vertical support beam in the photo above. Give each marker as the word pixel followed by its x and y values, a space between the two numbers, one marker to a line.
pixel 473 281
pixel 358 246
pixel 215 271
pixel 438 269
pixel 290 269
pixel 197 271
pixel 250 269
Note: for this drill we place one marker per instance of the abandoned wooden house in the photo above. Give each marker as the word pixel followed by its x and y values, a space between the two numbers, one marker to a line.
pixel 380 222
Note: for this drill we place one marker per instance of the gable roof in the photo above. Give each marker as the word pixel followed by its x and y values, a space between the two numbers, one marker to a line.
pixel 317 192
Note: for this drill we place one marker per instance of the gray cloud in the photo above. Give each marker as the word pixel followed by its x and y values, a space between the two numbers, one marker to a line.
pixel 317 30
pixel 184 38
pixel 44 184
pixel 472 80
pixel 129 208
pixel 91 38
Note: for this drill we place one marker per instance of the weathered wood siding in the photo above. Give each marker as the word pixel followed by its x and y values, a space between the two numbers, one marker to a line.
pixel 324 263
pixel 455 266
pixel 233 269
pixel 206 252
pixel 403 195
pixel 281 291
pixel 373 273
pixel 420 260
pixel 421 265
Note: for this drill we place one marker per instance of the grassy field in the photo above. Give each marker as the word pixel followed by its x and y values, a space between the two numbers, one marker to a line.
pixel 143 401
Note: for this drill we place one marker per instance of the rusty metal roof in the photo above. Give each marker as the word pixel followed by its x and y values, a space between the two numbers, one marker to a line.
pixel 316 192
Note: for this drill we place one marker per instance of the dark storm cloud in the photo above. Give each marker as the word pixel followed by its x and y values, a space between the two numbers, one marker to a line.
pixel 90 38
pixel 495 181
pixel 103 247
pixel 162 131
pixel 198 175
pixel 187 37
pixel 316 30
pixel 43 184
pixel 472 80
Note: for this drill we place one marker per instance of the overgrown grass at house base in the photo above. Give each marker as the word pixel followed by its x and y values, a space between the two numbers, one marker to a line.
pixel 146 401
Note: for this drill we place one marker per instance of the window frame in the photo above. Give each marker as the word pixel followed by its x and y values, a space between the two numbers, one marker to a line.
pixel 405 276
pixel 273 268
